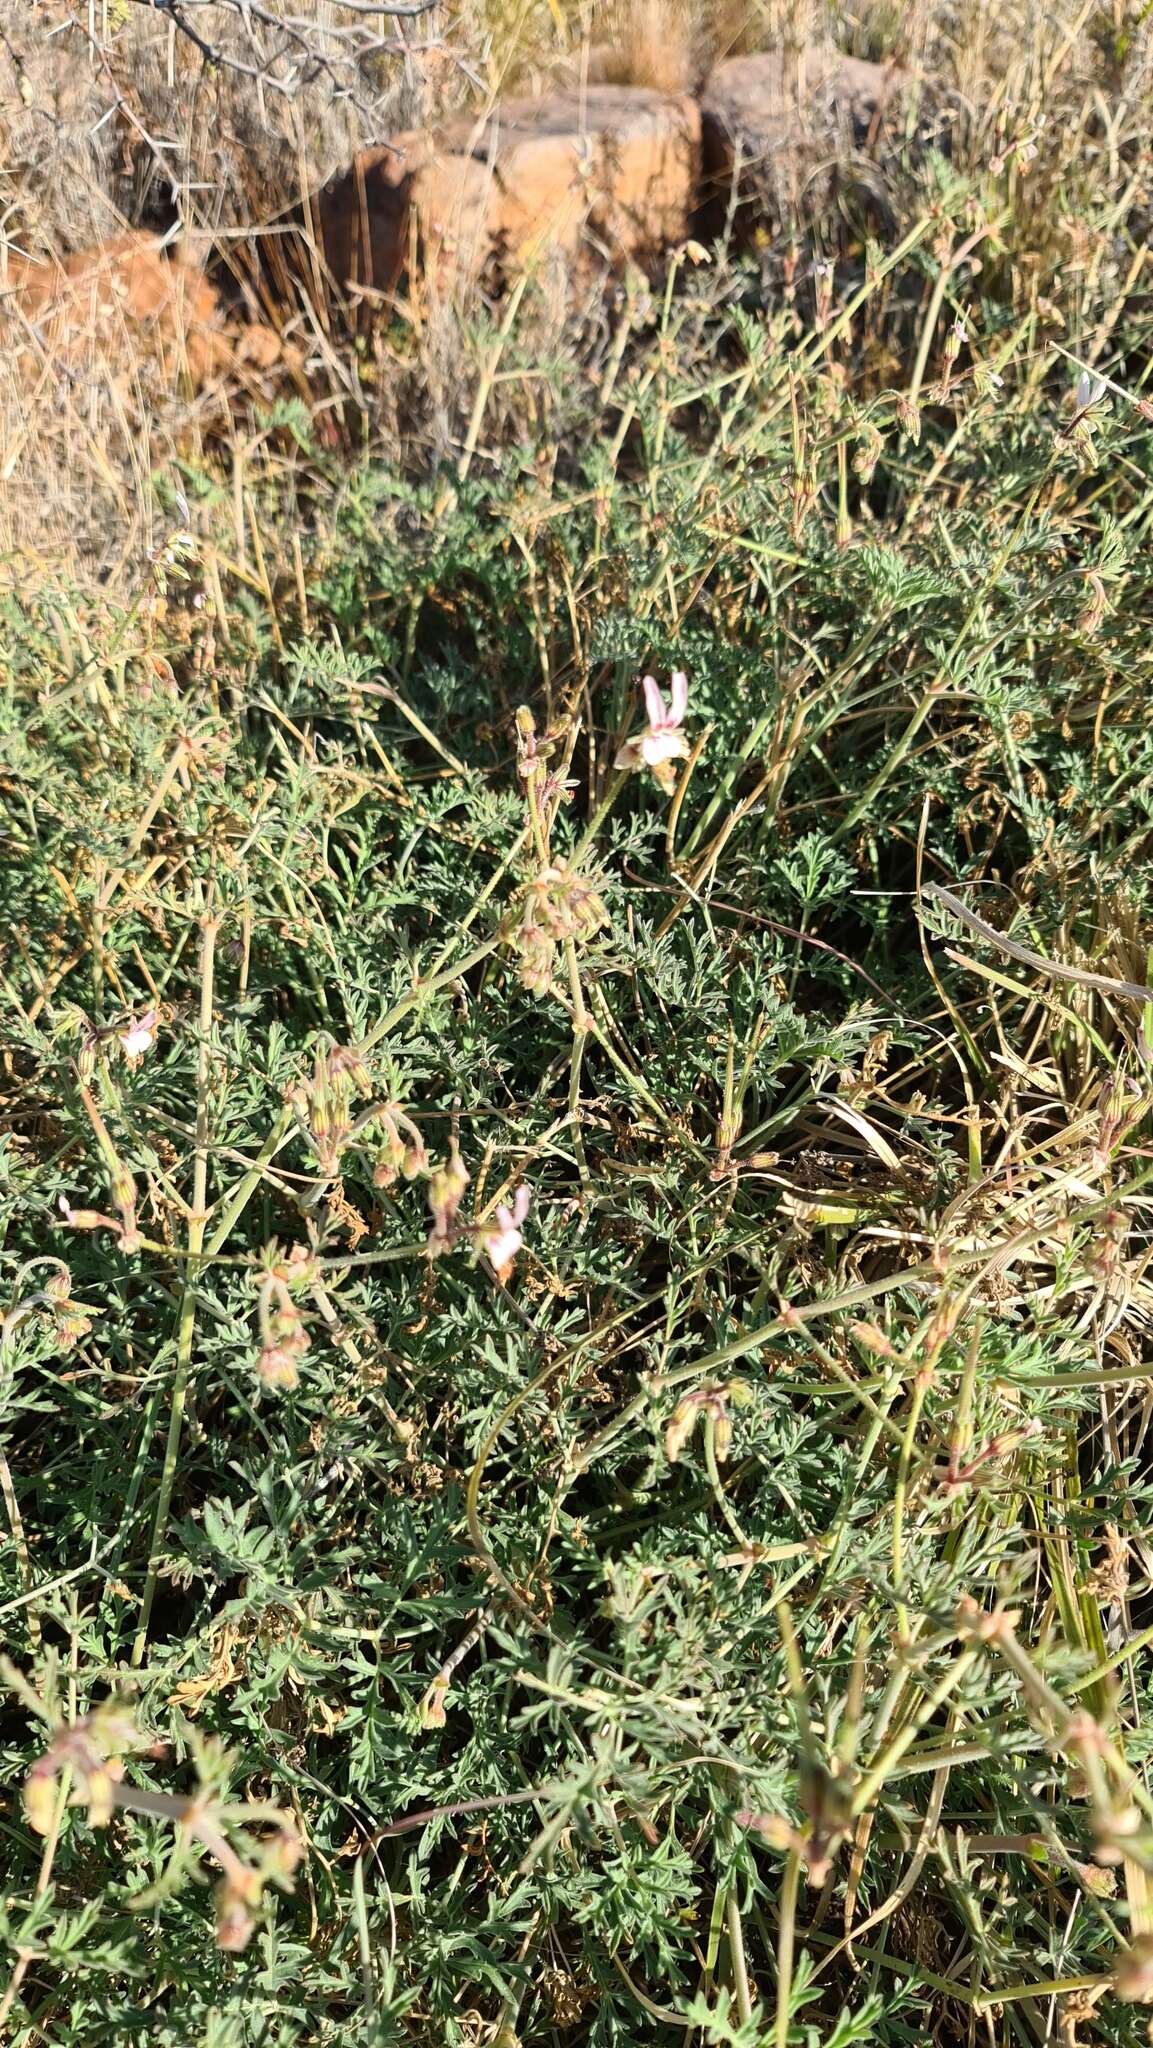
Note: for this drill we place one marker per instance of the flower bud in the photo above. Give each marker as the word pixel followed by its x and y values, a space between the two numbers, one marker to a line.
pixel 872 1339
pixel 909 418
pixel 1133 1972
pixel 415 1159
pixel 868 454
pixel 280 1858
pixel 433 1705
pixel 446 1185
pixel 234 1918
pixel 680 1426
pixel 101 1795
pixel 276 1369
pixel 1095 607
pixel 390 1158
pixel 40 1798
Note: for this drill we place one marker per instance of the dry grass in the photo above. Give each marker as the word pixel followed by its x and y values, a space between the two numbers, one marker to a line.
pixel 107 124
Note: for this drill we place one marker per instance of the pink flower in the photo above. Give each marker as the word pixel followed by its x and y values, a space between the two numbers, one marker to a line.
pixel 501 1240
pixel 662 741
pixel 139 1037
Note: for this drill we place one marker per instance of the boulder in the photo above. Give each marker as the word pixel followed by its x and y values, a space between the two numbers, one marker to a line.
pixel 611 170
pixel 777 114
pixel 367 219
pixel 123 305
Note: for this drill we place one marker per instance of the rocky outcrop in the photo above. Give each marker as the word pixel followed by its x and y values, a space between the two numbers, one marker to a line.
pixel 773 116
pixel 120 304
pixel 590 176
pixel 609 173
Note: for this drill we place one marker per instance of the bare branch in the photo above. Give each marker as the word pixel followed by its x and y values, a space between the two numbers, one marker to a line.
pixel 288 51
pixel 175 14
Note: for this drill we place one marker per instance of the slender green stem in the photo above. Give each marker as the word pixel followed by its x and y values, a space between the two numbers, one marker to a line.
pixel 901 1494
pixel 615 786
pixel 186 1319
pixel 719 1494
pixel 786 1943
pixel 873 1780
pixel 580 1030
pixel 737 1957
pixel 428 986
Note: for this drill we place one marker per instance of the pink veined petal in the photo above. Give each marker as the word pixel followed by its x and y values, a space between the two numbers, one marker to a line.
pixel 680 696
pixel 628 754
pixel 521 1203
pixel 654 703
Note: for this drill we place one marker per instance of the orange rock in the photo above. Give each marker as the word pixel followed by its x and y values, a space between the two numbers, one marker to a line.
pixel 613 168
pixel 366 217
pixel 121 304
pixel 616 164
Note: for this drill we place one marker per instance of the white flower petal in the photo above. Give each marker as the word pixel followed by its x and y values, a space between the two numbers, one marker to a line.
pixel 138 1039
pixel 663 746
pixel 501 1246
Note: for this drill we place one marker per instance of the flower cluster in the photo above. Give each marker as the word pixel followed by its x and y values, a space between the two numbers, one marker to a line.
pixel 324 1108
pixel 283 1337
pixel 401 1147
pixel 713 1403
pixel 70 1319
pixel 90 1753
pixel 73 1321
pixel 559 903
pixel 499 1239
pixel 91 1750
pixel 327 1116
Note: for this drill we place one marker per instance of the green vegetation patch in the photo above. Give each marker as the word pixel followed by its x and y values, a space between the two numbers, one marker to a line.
pixel 575 1343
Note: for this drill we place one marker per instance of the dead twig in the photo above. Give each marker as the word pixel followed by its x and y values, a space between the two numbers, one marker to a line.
pixel 1134 990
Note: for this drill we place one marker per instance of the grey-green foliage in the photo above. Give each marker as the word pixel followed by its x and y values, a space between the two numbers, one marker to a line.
pixel 317 1565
